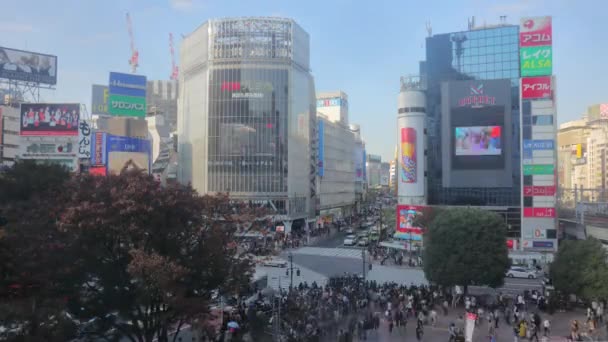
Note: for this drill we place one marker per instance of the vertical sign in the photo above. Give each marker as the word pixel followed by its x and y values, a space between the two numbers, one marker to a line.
pixel 84 140
pixel 320 166
pixel 99 100
pixel 408 155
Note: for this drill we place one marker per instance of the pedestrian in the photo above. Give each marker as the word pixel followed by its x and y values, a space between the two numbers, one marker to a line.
pixel 445 307
pixel 533 333
pixel 452 332
pixel 496 313
pixel 433 317
pixel 419 332
pixel 546 327
pixel 390 326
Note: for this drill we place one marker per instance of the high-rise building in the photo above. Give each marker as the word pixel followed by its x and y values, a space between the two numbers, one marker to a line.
pixel 334 105
pixel 472 91
pixel 373 167
pixel 161 99
pixel 360 159
pixel 247 115
pixel 336 169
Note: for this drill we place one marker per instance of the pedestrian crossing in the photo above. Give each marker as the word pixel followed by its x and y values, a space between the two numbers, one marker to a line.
pixel 330 252
pixel 280 278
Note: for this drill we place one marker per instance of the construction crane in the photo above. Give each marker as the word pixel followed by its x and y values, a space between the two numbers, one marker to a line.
pixel 174 68
pixel 134 60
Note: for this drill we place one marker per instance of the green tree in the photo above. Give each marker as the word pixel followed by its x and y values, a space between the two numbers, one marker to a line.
pixel 466 247
pixel 580 268
pixel 148 258
pixel 30 248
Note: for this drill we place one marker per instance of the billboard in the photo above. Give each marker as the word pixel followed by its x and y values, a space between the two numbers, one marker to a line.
pixel 336 101
pixel 38 149
pixel 124 150
pixel 127 95
pixel 539 145
pixel 478 141
pixel 321 158
pixel 408 160
pixel 406 228
pixel 539 190
pixel 539 212
pixel 28 66
pixel 536 87
pixel 536 61
pixel 98 149
pixel 535 31
pixel 50 119
pixel 84 140
pixel 99 100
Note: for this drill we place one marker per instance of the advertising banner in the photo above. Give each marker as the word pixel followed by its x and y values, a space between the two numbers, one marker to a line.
pixel 539 145
pixel 536 87
pixel 535 31
pixel 124 150
pixel 408 158
pixel 84 140
pixel 320 168
pixel 536 61
pixel 364 156
pixel 127 84
pixel 127 106
pixel 604 110
pixel 98 170
pixel 34 150
pixel 50 119
pixel 542 244
pixel 98 149
pixel 406 228
pixel 538 190
pixel 99 100
pixel 539 212
pixel 329 102
pixel 28 66
pixel 539 169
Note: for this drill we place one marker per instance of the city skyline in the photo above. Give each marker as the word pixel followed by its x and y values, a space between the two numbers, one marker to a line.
pixel 341 45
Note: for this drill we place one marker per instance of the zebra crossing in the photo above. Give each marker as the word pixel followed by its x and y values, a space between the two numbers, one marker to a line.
pixel 330 252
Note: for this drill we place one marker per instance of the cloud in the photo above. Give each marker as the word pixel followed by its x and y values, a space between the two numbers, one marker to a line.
pixel 181 5
pixel 9 27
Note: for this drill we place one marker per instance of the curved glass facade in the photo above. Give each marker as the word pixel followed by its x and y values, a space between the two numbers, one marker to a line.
pixel 246 113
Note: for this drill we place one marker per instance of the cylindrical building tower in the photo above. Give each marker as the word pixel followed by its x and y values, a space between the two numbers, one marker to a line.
pixel 411 142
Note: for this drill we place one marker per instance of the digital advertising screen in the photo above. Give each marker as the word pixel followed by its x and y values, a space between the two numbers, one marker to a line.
pixel 478 141
pixel 478 138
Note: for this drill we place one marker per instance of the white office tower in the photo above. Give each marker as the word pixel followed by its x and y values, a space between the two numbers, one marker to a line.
pixel 411 142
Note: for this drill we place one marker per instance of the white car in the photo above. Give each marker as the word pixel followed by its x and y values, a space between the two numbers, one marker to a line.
pixel 520 272
pixel 275 263
pixel 350 240
pixel 363 242
pixel 350 230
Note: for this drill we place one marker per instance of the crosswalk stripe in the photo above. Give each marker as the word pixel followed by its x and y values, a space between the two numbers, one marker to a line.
pixel 330 252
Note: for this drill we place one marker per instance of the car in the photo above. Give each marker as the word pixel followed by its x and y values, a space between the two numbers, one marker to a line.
pixel 350 240
pixel 374 237
pixel 363 242
pixel 275 263
pixel 350 230
pixel 520 272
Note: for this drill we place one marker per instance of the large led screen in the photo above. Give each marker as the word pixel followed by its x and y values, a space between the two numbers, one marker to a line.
pixel 478 138
pixel 478 141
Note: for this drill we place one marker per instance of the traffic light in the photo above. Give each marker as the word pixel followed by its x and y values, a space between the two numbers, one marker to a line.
pixel 298 272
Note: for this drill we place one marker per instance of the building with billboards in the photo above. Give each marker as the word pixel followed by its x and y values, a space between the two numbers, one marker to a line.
pixel 334 105
pixel 247 115
pixel 473 117
pixel 360 160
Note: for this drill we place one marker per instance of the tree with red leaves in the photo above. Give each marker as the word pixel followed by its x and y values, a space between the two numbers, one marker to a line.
pixel 147 258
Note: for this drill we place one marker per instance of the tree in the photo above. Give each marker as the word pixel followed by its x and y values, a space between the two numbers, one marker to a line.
pixel 148 258
pixel 466 247
pixel 580 268
pixel 30 298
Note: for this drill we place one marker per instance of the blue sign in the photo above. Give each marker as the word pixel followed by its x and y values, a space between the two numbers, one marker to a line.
pixel 127 144
pixel 542 244
pixel 99 153
pixel 539 144
pixel 364 165
pixel 320 168
pixel 527 153
pixel 127 84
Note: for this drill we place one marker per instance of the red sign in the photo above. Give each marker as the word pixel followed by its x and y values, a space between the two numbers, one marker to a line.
pixel 538 190
pixel 406 215
pixel 536 87
pixel 97 170
pixel 535 32
pixel 231 86
pixel 539 212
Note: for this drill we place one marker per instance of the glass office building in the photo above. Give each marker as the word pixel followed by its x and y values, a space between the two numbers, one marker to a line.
pixel 247 113
pixel 477 55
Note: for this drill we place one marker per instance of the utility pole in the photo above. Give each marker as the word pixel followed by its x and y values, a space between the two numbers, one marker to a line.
pixel 290 270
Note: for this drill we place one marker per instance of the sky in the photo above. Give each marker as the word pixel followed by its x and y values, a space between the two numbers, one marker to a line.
pixel 359 47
